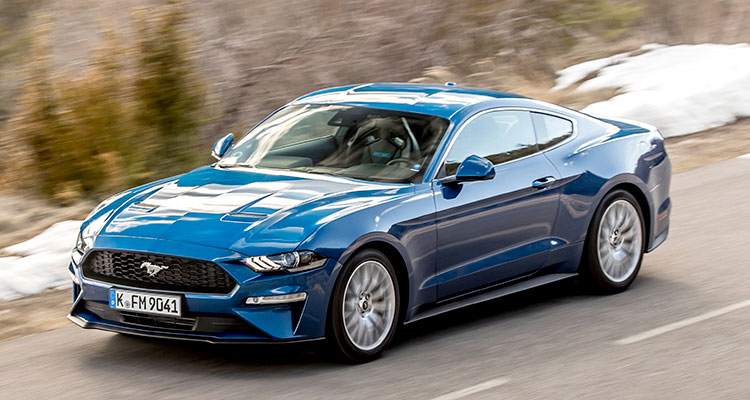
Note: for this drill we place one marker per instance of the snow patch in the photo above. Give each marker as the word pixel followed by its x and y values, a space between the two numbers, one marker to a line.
pixel 578 72
pixel 39 263
pixel 679 89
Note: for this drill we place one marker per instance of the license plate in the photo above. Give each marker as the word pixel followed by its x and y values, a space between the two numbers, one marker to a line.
pixel 160 304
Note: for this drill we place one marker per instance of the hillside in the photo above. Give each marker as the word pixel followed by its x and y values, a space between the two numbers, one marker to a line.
pixel 248 58
pixel 257 55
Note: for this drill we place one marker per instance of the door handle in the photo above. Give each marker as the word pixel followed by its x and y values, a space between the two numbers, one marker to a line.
pixel 542 183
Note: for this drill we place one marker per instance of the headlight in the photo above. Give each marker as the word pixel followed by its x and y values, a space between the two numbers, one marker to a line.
pixel 295 261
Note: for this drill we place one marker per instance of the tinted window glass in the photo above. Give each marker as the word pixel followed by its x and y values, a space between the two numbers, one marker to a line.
pixel 551 130
pixel 498 136
pixel 358 142
pixel 313 127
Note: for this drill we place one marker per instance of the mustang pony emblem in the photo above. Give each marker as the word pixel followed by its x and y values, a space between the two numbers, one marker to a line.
pixel 152 269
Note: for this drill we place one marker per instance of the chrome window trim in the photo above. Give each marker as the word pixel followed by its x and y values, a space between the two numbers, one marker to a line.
pixel 441 163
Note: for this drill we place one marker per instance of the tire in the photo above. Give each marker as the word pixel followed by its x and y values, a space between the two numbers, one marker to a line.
pixel 367 295
pixel 615 244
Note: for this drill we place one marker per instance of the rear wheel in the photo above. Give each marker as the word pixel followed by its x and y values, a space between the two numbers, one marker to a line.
pixel 615 244
pixel 365 307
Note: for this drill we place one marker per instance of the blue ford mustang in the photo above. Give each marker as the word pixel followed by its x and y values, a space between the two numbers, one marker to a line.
pixel 353 210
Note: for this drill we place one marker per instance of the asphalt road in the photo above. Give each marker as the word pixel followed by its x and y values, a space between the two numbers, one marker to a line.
pixel 681 331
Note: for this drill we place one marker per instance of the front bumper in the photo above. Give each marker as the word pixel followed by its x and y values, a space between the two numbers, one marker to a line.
pixel 212 318
pixel 194 337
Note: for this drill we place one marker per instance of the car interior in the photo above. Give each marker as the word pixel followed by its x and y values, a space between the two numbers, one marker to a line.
pixel 357 142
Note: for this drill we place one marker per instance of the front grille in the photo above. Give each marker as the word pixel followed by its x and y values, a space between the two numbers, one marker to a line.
pixel 181 275
pixel 157 321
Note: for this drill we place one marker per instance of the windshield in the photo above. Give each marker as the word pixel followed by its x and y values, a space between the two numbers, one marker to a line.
pixel 357 142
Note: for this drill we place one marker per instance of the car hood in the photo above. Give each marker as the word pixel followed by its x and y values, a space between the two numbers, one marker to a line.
pixel 246 210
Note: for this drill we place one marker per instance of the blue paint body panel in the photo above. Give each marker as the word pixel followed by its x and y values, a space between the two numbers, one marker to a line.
pixel 449 239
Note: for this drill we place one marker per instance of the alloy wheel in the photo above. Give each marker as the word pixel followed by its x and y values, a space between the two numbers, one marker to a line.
pixel 369 306
pixel 620 240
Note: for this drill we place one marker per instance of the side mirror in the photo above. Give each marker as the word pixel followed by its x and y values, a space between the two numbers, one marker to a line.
pixel 222 146
pixel 473 168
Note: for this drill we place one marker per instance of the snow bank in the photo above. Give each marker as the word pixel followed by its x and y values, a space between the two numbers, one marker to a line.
pixel 39 263
pixel 679 89
pixel 576 73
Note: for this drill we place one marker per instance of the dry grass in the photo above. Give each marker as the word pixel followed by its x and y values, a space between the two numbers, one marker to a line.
pixel 711 146
pixel 43 312
pixel 23 217
pixel 259 55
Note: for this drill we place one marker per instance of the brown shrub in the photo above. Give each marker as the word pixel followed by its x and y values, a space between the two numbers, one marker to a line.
pixel 129 116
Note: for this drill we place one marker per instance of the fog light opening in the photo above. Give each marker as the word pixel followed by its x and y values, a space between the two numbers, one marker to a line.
pixel 276 299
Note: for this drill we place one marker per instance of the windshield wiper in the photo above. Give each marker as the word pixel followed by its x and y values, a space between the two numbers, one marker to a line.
pixel 310 170
pixel 240 165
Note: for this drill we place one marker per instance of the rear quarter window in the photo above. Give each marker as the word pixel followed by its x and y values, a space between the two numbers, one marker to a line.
pixel 551 130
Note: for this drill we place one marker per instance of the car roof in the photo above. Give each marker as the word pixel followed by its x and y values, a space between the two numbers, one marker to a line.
pixel 439 100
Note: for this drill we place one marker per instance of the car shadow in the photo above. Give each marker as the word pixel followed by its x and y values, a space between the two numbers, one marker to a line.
pixel 240 360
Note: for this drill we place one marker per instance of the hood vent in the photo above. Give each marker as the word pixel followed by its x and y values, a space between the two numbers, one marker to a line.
pixel 142 207
pixel 242 217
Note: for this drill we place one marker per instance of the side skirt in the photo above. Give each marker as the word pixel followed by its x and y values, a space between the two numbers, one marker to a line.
pixel 491 295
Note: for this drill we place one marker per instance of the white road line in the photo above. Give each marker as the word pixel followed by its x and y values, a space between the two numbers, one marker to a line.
pixel 459 394
pixel 4 312
pixel 681 324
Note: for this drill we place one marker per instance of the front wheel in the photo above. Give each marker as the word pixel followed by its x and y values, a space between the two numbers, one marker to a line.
pixel 614 244
pixel 365 307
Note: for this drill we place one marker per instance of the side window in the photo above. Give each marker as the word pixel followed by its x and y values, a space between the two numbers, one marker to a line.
pixel 498 136
pixel 551 130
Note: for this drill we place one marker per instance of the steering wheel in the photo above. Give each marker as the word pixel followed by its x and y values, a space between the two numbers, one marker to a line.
pixel 402 160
